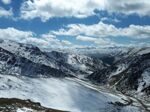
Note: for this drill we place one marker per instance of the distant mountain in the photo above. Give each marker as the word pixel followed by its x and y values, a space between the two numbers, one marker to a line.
pixel 108 55
pixel 130 71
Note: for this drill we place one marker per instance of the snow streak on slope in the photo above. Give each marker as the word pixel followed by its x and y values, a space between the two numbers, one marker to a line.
pixel 24 110
pixel 120 68
pixel 61 94
pixel 144 81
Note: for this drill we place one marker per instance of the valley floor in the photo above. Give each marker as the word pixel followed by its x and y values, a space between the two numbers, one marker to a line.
pixel 136 100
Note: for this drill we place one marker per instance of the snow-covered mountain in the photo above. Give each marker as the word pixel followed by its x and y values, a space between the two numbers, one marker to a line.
pixel 108 55
pixel 58 79
pixel 78 62
pixel 131 71
pixel 27 51
pixel 28 59
pixel 13 64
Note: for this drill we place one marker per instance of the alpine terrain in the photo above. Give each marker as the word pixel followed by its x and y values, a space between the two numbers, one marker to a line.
pixel 74 55
pixel 112 79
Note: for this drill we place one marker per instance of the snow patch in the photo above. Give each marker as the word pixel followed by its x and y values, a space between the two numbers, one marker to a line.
pixel 144 51
pixel 120 69
pixel 24 110
pixel 144 81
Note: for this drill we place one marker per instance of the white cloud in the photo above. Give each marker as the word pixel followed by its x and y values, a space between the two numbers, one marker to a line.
pixel 102 30
pixel 51 41
pixel 6 1
pixel 98 41
pixel 113 20
pixel 65 42
pixel 140 7
pixel 14 34
pixel 136 31
pixel 5 13
pixel 46 9
pixel 43 41
pixel 86 38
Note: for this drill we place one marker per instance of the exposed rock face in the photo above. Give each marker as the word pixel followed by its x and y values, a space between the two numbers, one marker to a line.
pixel 127 73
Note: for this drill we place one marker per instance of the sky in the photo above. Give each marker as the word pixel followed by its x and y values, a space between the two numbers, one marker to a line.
pixel 76 24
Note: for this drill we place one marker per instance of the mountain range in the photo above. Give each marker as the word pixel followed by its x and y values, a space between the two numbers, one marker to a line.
pixel 80 80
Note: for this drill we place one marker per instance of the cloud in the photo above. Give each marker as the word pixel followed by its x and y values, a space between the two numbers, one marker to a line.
pixel 98 41
pixel 112 20
pixel 5 13
pixel 48 40
pixel 102 30
pixel 65 42
pixel 6 2
pixel 140 7
pixel 43 41
pixel 136 31
pixel 86 38
pixel 14 34
pixel 46 9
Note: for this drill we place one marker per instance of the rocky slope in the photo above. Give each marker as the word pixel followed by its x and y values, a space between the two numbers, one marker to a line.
pixel 129 72
pixel 80 63
pixel 18 105
pixel 16 65
pixel 17 58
